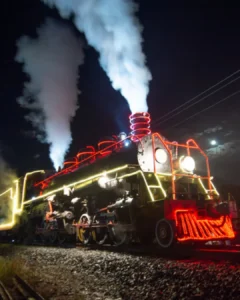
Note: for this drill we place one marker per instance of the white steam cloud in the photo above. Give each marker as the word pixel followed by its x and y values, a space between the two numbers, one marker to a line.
pixel 7 177
pixel 52 62
pixel 112 29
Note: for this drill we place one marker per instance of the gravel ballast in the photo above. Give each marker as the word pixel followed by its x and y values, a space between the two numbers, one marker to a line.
pixel 59 273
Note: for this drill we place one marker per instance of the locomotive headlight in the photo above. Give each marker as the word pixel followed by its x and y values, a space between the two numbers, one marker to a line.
pixel 122 136
pixel 161 156
pixel 187 163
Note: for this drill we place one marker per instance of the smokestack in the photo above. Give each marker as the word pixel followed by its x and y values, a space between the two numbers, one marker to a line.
pixel 139 125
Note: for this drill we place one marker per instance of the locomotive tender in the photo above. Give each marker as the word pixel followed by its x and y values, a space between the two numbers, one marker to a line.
pixel 140 187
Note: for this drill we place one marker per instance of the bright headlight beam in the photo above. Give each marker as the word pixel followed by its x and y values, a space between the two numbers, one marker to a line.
pixel 161 156
pixel 187 163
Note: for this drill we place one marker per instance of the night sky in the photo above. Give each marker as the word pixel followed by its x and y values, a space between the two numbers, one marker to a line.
pixel 188 49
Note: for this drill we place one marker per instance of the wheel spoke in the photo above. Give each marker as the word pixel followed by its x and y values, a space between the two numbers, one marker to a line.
pixel 164 233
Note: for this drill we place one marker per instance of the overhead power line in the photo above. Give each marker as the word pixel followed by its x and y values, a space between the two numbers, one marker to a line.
pixel 160 120
pixel 198 101
pixel 218 102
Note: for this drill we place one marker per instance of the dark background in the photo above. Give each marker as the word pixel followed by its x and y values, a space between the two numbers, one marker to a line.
pixel 188 47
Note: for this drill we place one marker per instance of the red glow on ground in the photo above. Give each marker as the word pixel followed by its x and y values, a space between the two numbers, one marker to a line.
pixel 219 250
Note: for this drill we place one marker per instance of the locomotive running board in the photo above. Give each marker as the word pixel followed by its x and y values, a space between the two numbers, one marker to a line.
pixel 191 228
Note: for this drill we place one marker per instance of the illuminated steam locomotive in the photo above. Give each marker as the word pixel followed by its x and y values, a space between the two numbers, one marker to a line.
pixel 140 187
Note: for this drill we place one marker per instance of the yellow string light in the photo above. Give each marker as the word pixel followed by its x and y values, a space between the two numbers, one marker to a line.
pixel 206 191
pixel 14 199
pixel 79 184
pixel 215 188
pixel 75 183
pixel 25 183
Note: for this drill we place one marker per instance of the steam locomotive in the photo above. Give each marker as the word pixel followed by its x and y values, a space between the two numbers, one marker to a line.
pixel 140 187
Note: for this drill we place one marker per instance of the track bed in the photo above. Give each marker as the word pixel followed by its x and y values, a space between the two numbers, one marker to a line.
pixel 83 273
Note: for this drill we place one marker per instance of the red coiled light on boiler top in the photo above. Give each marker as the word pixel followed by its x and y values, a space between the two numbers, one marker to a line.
pixel 140 125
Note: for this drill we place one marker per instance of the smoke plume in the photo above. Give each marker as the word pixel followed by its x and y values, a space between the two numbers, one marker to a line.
pixel 7 177
pixel 52 62
pixel 112 29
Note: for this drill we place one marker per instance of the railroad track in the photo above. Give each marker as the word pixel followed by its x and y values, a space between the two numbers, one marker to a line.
pixel 213 253
pixel 20 289
pixel 183 252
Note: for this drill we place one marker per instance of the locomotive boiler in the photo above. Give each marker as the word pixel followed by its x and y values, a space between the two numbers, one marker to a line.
pixel 139 187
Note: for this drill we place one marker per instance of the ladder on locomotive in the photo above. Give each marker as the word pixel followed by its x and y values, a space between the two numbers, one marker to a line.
pixel 154 186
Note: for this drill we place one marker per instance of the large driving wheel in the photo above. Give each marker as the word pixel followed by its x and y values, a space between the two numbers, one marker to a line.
pixel 61 238
pixel 118 235
pixel 100 235
pixel 51 234
pixel 165 233
pixel 84 234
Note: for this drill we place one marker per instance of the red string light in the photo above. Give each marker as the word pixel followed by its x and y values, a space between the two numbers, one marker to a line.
pixel 71 162
pixel 88 152
pixel 88 155
pixel 103 145
pixel 140 125
pixel 191 228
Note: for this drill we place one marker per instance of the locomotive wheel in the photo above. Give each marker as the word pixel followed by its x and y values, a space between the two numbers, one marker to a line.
pixel 100 235
pixel 80 234
pixel 118 236
pixel 84 234
pixel 61 238
pixel 164 233
pixel 51 235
